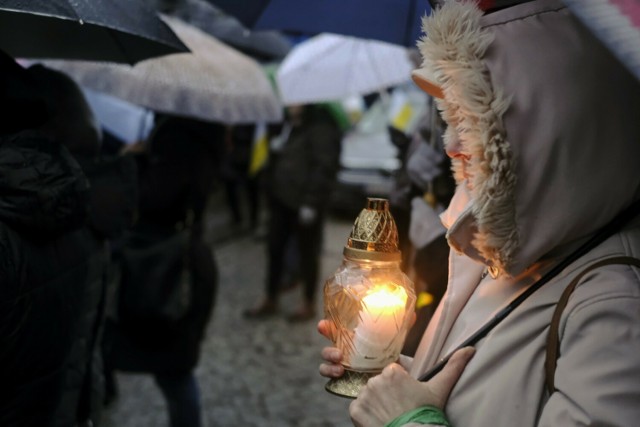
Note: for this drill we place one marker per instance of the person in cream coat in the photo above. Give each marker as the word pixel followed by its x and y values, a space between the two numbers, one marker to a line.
pixel 544 134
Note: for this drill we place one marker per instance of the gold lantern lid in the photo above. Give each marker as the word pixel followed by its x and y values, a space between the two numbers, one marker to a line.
pixel 374 235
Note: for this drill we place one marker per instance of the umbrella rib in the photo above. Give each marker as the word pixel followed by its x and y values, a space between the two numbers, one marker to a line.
pixel 329 48
pixel 374 66
pixel 354 51
pixel 113 34
pixel 73 10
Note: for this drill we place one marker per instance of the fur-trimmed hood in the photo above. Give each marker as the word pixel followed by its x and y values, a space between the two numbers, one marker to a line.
pixel 554 147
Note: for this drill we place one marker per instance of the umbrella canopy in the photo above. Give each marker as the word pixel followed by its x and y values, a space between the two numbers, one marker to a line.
pixel 393 21
pixel 107 30
pixel 332 67
pixel 616 23
pixel 129 123
pixel 262 45
pixel 214 82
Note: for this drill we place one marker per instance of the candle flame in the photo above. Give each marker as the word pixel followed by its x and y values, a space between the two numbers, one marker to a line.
pixel 384 296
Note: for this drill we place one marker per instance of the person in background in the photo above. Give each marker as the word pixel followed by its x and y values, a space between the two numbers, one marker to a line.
pixel 52 261
pixel 177 169
pixel 300 177
pixel 237 176
pixel 543 133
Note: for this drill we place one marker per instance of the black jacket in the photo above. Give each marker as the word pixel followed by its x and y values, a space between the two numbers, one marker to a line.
pixel 175 177
pixel 303 172
pixel 111 205
pixel 47 257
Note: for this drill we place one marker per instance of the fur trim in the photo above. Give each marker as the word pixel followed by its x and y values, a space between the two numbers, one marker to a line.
pixel 452 49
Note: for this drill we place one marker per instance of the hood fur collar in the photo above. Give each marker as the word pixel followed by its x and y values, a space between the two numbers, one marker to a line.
pixel 452 51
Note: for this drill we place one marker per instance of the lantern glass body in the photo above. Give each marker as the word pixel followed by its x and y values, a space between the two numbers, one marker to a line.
pixel 371 305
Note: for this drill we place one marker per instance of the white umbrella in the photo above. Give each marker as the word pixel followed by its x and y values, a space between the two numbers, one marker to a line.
pixel 127 122
pixel 214 82
pixel 330 67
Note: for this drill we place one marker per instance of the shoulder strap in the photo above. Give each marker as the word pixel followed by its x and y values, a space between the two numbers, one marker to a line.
pixel 553 342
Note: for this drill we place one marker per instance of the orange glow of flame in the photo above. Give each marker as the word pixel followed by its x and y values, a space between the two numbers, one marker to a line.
pixel 385 299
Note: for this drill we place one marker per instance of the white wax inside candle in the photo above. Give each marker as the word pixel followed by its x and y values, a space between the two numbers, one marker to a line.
pixel 381 319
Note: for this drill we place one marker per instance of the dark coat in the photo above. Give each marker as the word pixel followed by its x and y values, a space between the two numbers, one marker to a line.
pixel 48 267
pixel 175 176
pixel 303 172
pixel 111 203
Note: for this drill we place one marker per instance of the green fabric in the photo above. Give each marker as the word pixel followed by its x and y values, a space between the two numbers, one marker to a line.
pixel 422 415
pixel 338 113
pixel 270 70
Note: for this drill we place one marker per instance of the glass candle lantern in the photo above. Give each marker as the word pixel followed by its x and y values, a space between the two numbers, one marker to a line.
pixel 369 299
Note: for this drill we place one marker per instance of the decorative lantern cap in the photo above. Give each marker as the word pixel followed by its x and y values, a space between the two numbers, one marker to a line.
pixel 374 235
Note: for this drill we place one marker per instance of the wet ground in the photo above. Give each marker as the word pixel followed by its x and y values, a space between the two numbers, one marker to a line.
pixel 252 373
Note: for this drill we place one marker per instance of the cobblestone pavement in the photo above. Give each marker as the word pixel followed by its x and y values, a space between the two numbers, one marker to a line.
pixel 252 373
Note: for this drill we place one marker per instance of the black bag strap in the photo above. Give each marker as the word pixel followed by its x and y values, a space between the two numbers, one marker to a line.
pixel 553 339
pixel 598 237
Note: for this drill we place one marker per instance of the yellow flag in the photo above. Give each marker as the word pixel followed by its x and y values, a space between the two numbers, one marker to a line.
pixel 260 150
pixel 401 118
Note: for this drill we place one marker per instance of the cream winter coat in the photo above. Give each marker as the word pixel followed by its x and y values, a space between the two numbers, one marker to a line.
pixel 551 121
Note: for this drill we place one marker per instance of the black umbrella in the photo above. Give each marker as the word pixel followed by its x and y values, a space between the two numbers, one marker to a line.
pixel 99 30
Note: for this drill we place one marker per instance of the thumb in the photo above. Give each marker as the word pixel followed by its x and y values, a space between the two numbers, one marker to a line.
pixel 442 384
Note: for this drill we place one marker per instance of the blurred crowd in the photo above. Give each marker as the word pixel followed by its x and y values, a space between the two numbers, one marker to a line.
pixel 109 267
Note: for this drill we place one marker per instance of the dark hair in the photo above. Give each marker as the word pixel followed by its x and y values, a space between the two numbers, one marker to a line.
pixel 23 106
pixel 71 120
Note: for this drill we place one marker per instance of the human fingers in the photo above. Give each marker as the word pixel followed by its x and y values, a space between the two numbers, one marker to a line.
pixel 332 369
pixel 332 354
pixel 385 396
pixel 393 369
pixel 442 383
pixel 327 329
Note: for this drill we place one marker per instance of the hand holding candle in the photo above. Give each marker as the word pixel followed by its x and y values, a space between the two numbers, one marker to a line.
pixel 368 301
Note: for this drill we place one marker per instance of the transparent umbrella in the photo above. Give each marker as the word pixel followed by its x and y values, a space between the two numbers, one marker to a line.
pixel 214 82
